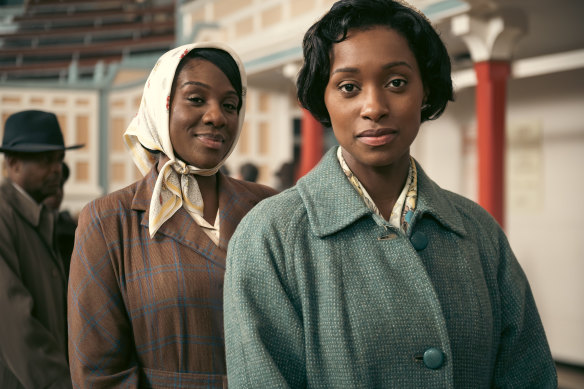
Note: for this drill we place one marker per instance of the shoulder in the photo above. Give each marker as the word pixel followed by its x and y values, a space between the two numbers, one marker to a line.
pixel 109 205
pixel 251 190
pixel 474 216
pixel 276 213
pixel 455 209
pixel 5 193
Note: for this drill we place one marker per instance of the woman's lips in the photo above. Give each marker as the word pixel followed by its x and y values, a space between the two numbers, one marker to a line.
pixel 377 137
pixel 211 141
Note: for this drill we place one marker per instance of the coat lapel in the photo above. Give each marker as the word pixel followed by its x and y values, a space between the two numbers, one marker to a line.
pixel 181 227
pixel 332 203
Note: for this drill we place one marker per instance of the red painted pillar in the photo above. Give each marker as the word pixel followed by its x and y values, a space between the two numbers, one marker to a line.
pixel 311 146
pixel 491 95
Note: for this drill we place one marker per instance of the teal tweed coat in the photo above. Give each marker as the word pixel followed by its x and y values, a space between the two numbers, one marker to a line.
pixel 321 293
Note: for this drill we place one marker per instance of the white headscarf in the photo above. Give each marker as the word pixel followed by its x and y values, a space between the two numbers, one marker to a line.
pixel 149 130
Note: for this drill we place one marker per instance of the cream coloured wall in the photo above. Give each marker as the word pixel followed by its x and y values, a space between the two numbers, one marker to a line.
pixel 267 135
pixel 123 106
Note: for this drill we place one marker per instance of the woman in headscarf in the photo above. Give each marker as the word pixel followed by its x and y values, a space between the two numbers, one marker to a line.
pixel 146 283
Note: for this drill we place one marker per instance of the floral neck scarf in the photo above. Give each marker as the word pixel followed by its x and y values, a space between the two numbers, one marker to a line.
pixel 404 207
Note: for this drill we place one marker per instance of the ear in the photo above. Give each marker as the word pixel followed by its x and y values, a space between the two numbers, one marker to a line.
pixel 10 167
pixel 10 161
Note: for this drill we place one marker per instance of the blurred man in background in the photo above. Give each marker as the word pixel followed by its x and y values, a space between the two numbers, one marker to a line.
pixel 66 223
pixel 33 329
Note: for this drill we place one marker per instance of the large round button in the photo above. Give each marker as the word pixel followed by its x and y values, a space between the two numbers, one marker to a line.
pixel 419 240
pixel 433 358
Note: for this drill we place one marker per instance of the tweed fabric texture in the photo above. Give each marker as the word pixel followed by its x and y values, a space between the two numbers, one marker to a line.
pixel 147 312
pixel 322 293
pixel 148 137
pixel 33 331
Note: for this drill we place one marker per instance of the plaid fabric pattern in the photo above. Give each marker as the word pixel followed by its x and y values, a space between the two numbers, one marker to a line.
pixel 147 311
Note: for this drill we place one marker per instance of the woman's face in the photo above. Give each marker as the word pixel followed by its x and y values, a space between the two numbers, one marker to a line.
pixel 374 97
pixel 203 114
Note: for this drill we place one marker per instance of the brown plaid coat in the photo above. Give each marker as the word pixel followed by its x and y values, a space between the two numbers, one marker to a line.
pixel 148 312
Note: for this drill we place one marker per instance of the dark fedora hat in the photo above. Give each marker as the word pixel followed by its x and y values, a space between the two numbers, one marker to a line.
pixel 33 132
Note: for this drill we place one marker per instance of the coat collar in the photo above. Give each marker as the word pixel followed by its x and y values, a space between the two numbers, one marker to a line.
pixel 24 206
pixel 333 204
pixel 181 226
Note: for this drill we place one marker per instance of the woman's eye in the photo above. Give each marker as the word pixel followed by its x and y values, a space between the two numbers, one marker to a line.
pixel 196 100
pixel 348 88
pixel 230 107
pixel 397 83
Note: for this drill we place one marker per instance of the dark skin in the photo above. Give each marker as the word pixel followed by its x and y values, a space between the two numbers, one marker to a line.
pixel 203 123
pixel 39 174
pixel 374 98
pixel 209 192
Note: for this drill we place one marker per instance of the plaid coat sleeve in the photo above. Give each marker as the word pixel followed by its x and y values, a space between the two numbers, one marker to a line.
pixel 100 334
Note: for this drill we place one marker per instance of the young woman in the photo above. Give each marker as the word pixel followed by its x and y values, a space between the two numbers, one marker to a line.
pixel 145 290
pixel 366 273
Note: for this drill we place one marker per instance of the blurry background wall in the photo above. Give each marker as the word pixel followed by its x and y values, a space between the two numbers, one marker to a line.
pixel 87 61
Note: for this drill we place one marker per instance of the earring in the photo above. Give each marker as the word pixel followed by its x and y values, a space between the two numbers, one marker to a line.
pixel 425 106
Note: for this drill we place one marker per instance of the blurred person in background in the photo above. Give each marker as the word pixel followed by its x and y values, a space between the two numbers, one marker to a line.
pixel 249 172
pixel 367 274
pixel 286 175
pixel 66 224
pixel 33 279
pixel 146 281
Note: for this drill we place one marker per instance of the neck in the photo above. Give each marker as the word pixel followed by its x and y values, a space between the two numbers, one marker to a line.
pixel 384 184
pixel 209 193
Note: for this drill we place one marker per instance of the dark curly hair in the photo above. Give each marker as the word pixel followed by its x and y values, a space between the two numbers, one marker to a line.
pixel 344 15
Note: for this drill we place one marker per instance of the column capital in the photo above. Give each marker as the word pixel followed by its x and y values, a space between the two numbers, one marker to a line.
pixel 491 36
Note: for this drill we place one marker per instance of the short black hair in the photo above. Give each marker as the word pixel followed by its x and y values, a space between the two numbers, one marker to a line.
pixel 344 15
pixel 224 61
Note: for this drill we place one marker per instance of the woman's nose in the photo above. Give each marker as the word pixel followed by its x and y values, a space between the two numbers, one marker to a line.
pixel 214 115
pixel 374 105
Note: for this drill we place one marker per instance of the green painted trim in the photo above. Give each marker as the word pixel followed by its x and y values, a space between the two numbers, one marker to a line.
pixel 433 10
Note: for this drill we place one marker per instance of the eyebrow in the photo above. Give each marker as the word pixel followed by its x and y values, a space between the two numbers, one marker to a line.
pixel 197 83
pixel 203 85
pixel 386 66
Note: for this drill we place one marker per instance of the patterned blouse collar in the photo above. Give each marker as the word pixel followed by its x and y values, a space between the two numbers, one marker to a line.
pixel 404 207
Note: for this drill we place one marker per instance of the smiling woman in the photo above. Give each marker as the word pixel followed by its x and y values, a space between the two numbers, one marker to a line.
pixel 146 281
pixel 204 109
pixel 367 273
